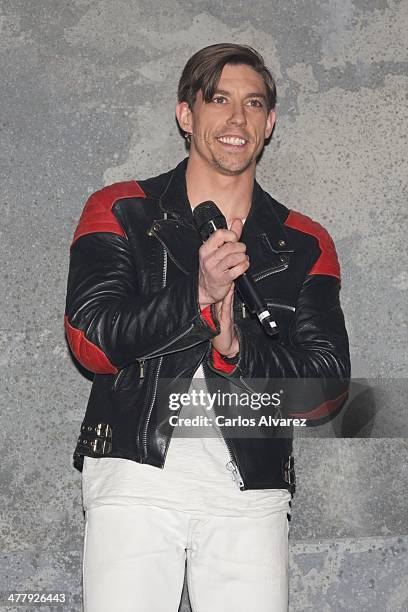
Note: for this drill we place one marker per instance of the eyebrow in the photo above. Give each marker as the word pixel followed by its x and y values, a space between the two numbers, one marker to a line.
pixel 254 94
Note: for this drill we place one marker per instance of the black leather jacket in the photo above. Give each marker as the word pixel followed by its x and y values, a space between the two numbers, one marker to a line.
pixel 133 318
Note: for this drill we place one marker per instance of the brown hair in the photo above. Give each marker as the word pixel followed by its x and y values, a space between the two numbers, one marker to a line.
pixel 203 71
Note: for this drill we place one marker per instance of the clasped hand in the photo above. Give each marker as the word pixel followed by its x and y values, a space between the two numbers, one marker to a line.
pixel 222 259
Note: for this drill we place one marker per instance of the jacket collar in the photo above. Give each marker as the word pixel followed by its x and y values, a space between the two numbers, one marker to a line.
pixel 264 231
pixel 262 217
pixel 174 199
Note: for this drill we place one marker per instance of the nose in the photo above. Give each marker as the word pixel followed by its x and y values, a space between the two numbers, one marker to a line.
pixel 237 116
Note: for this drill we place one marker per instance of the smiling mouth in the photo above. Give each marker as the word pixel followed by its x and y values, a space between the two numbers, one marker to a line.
pixel 232 141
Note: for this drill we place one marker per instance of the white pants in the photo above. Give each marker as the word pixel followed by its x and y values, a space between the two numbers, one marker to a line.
pixel 134 561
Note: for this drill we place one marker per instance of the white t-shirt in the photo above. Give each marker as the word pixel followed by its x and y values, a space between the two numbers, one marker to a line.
pixel 195 479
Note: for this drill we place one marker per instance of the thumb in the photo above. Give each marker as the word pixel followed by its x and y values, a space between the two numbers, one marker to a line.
pixel 236 227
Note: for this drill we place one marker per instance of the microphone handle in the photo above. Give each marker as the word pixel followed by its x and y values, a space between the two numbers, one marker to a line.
pixel 250 296
pixel 208 218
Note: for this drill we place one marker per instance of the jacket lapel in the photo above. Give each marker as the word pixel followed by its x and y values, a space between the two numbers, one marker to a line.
pixel 177 232
pixel 264 234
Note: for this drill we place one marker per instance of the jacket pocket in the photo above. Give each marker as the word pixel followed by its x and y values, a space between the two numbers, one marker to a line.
pixel 130 377
pixel 281 305
pixel 283 313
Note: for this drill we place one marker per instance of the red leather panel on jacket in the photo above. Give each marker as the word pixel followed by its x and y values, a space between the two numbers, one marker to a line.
pixel 217 359
pixel 327 263
pixel 207 316
pixel 220 364
pixel 323 410
pixel 88 355
pixel 97 215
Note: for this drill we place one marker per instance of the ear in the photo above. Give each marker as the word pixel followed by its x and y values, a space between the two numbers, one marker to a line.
pixel 270 122
pixel 184 117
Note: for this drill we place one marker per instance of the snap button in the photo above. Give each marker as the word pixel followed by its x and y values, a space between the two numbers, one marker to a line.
pixel 281 243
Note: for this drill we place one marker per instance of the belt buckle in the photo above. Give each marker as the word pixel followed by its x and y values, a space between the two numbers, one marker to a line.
pixel 102 444
pixel 102 447
pixel 103 430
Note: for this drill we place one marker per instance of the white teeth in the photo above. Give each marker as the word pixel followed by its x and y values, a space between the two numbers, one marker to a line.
pixel 231 140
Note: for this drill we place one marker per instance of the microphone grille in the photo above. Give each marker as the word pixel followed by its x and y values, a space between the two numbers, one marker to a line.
pixel 208 211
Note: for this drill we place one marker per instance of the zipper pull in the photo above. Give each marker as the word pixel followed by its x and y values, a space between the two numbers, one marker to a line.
pixel 235 473
pixel 243 310
pixel 141 369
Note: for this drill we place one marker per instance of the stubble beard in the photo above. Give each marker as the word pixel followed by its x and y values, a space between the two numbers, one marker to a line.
pixel 230 167
pixel 224 163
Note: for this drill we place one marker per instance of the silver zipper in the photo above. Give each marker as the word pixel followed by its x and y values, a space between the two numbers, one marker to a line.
pixel 178 264
pixel 121 373
pixel 284 306
pixel 279 268
pixel 232 462
pixel 246 386
pixel 172 341
pixel 236 474
pixel 143 359
pixel 156 379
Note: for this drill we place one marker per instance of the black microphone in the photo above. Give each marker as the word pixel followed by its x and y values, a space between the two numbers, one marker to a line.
pixel 208 218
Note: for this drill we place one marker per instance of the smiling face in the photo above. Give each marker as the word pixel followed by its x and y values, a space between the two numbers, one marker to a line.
pixel 229 131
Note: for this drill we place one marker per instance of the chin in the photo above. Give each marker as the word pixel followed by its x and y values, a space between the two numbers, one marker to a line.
pixel 232 168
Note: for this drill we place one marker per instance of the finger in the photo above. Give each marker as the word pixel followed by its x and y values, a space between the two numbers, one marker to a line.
pixel 230 261
pixel 226 310
pixel 236 271
pixel 218 309
pixel 229 299
pixel 224 277
pixel 228 248
pixel 219 237
pixel 236 227
pixel 216 263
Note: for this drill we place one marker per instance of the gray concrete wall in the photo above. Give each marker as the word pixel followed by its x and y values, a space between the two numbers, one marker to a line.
pixel 87 97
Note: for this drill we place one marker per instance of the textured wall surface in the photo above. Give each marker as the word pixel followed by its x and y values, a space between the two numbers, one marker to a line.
pixel 88 92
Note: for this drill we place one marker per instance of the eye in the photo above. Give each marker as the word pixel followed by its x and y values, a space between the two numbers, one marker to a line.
pixel 219 99
pixel 255 103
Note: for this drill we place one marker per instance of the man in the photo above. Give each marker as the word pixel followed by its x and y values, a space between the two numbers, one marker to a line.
pixel 147 301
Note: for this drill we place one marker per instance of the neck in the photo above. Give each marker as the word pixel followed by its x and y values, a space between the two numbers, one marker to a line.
pixel 231 193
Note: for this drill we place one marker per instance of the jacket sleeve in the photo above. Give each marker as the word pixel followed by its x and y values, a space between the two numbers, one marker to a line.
pixel 317 353
pixel 109 323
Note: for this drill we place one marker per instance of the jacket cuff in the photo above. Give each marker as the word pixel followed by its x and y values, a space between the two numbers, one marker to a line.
pixel 223 363
pixel 218 362
pixel 207 315
pixel 228 366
